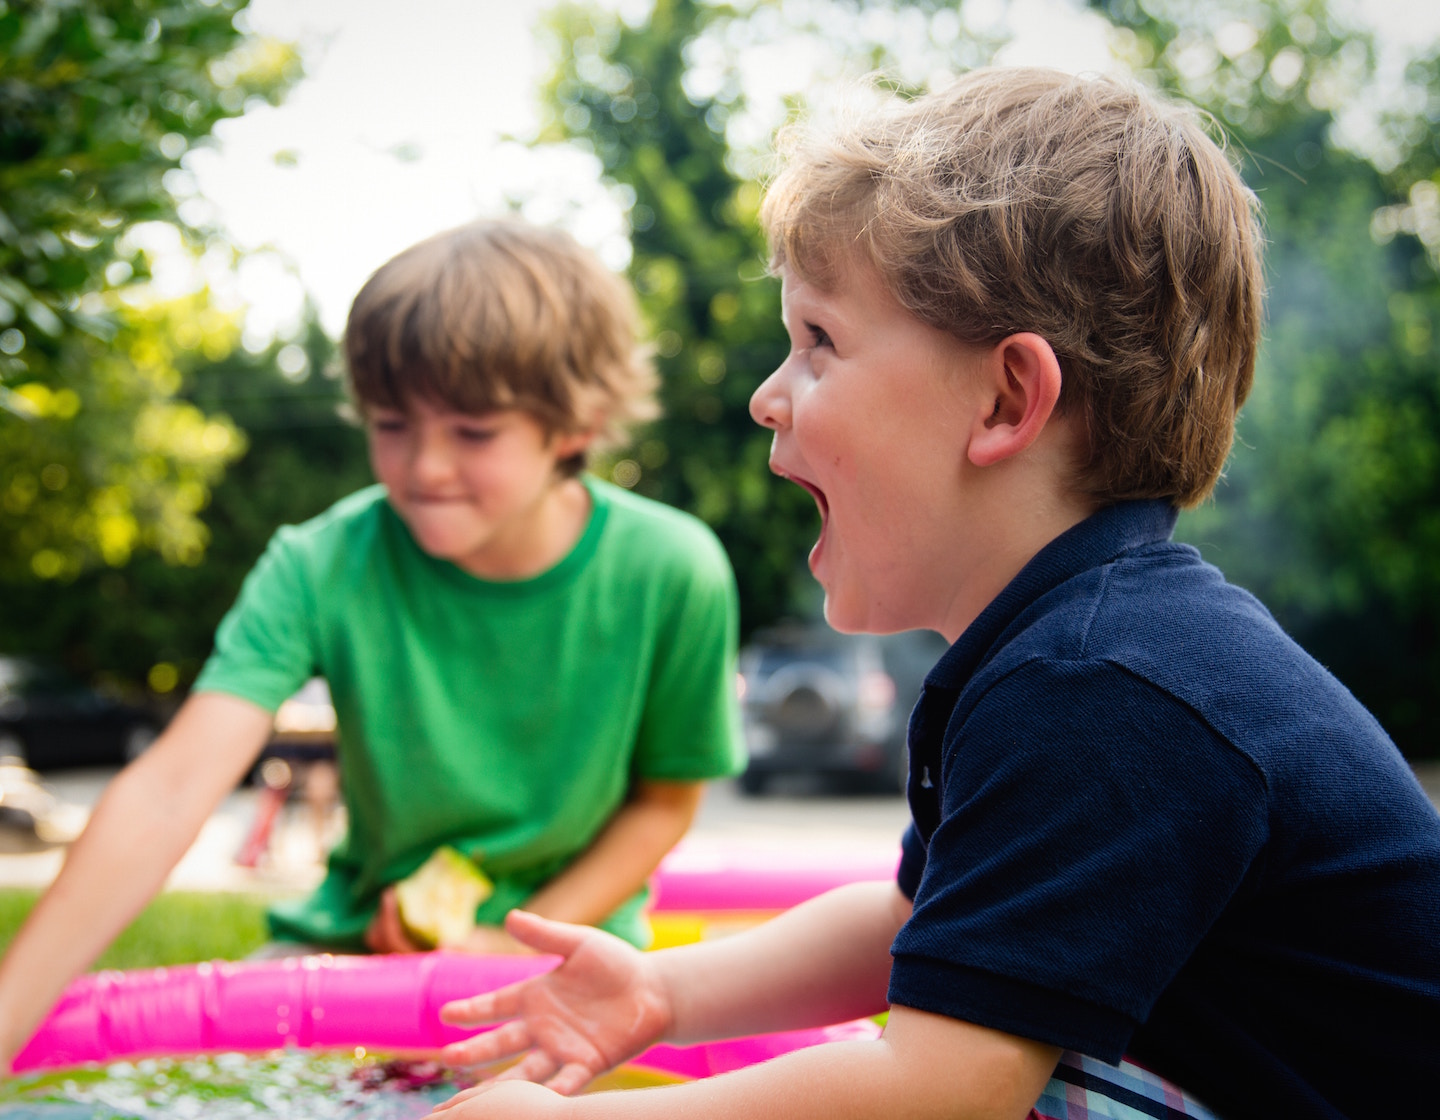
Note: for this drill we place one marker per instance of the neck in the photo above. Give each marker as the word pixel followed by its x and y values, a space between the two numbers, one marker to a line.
pixel 556 526
pixel 1016 509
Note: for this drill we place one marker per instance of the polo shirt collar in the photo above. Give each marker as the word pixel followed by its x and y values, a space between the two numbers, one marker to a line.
pixel 1099 539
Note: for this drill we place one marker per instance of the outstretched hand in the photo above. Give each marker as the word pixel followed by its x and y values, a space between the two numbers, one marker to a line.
pixel 602 1005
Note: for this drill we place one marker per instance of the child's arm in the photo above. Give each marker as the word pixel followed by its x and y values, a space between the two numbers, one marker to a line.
pixel 623 856
pixel 825 961
pixel 145 821
pixel 925 1066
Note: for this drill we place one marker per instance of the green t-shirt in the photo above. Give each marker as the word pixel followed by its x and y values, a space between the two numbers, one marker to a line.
pixel 506 719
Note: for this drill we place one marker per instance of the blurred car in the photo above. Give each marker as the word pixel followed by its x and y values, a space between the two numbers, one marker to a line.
pixel 817 701
pixel 50 720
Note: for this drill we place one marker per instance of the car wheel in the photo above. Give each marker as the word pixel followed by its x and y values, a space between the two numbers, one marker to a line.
pixel 12 747
pixel 137 741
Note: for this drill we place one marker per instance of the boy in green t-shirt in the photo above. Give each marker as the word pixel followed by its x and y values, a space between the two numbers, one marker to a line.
pixel 528 665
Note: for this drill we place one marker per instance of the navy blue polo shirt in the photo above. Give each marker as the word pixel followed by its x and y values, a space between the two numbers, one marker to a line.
pixel 1147 823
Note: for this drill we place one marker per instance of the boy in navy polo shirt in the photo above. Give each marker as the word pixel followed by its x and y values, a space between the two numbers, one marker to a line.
pixel 1024 312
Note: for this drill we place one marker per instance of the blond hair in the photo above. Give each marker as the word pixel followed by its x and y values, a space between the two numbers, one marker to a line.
pixel 498 315
pixel 1081 209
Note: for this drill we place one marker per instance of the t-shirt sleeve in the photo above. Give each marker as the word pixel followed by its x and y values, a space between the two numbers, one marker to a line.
pixel 265 647
pixel 690 730
pixel 1092 830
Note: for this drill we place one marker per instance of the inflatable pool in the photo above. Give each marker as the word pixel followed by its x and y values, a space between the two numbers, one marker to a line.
pixel 703 890
pixel 387 1003
pixel 391 1003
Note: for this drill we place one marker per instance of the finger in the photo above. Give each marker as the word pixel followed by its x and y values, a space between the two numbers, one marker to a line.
pixel 379 937
pixel 543 934
pixel 487 1007
pixel 536 1066
pixel 395 935
pixel 571 1079
pixel 502 1042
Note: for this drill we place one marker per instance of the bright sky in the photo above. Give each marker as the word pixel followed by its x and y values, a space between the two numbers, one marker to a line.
pixel 398 131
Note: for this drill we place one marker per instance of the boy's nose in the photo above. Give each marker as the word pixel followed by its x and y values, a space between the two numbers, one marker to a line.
pixel 430 460
pixel 770 403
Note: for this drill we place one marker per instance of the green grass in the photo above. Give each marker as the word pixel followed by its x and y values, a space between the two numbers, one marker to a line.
pixel 178 927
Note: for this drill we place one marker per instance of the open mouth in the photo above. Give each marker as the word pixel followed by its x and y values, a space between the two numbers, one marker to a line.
pixel 814 492
pixel 820 502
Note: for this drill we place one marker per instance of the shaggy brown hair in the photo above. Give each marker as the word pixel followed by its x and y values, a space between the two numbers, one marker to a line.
pixel 500 314
pixel 1081 209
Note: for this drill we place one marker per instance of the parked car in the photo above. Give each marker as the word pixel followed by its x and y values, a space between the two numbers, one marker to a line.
pixel 817 701
pixel 50 720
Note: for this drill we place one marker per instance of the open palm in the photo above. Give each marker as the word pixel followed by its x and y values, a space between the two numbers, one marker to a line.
pixel 601 1006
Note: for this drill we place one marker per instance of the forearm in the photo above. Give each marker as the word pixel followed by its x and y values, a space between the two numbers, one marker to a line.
pixel 145 821
pixel 825 961
pixel 622 857
pixel 840 1081
pixel 925 1066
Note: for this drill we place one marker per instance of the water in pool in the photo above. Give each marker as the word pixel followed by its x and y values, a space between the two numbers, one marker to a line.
pixel 282 1085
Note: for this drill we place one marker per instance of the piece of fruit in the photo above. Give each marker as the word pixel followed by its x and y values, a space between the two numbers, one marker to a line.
pixel 437 902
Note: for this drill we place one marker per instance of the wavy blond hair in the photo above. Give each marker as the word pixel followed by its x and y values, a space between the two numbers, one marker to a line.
pixel 1083 209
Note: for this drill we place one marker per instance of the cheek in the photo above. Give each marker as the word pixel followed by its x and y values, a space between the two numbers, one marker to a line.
pixel 386 459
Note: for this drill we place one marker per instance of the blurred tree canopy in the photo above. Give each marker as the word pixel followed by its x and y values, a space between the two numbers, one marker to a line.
pixel 120 408
pixel 1331 507
pixel 99 100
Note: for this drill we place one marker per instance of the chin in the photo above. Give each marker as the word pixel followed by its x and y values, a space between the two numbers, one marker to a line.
pixel 845 621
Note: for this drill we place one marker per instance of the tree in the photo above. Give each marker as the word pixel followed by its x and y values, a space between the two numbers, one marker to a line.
pixel 99 101
pixel 150 622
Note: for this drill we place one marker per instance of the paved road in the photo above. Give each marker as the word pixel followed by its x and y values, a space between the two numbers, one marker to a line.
pixel 797 816
pixel 793 817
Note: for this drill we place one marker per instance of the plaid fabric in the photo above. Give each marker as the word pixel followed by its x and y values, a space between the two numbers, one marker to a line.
pixel 1084 1089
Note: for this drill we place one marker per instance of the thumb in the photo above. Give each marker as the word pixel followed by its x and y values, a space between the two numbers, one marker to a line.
pixel 545 935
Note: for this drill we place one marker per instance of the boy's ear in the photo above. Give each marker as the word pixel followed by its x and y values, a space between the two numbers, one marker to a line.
pixel 1023 374
pixel 569 444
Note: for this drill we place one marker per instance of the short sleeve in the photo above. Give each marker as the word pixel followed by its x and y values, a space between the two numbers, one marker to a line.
pixel 265 647
pixel 690 730
pixel 1092 830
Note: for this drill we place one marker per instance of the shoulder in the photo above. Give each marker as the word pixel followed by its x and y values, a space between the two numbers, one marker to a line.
pixel 356 512
pixel 356 518
pixel 652 535
pixel 1192 646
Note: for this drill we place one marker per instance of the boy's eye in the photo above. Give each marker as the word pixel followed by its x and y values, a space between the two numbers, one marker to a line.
pixel 387 424
pixel 818 336
pixel 475 435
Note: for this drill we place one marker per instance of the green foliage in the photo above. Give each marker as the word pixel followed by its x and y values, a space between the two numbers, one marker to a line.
pixel 178 927
pixel 152 621
pixel 99 100
pixel 122 411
